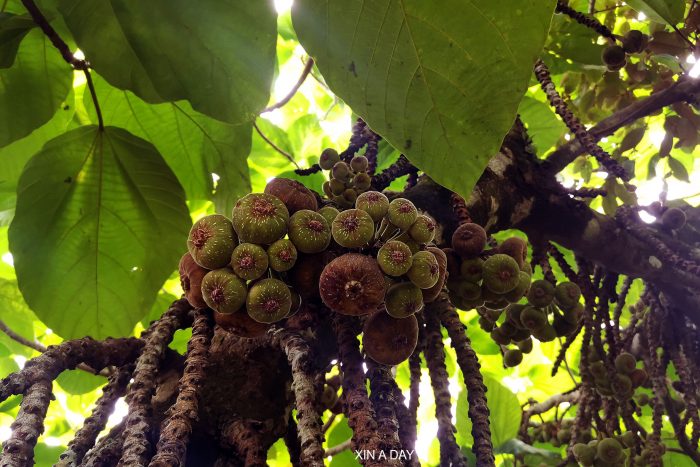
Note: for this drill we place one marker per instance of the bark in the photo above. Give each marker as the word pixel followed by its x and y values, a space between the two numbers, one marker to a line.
pixel 384 404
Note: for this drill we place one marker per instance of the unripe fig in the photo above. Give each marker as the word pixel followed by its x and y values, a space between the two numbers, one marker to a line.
pixel 634 41
pixel 639 377
pixel 341 171
pixel 525 346
pixel 628 439
pixel 249 261
pixel 191 275
pixel 486 324
pixel 353 228
pixel 499 337
pixel 453 262
pixel 545 334
pixel 472 269
pixel 223 291
pixel 584 454
pixel 423 229
pixel 469 240
pixel 609 450
pixel 240 324
pixel 574 314
pixel 598 369
pixel 424 271
pixel 521 289
pixel 388 340
pixel 268 301
pixel 329 157
pixel 327 189
pixel 513 312
pixel 374 203
pixel 621 386
pixel 541 293
pixel 563 327
pixel 211 241
pixel 567 295
pixel 260 218
pixel 625 363
pixel 309 231
pixel 352 284
pixel 412 244
pixel 296 303
pixel 614 57
pixel 305 274
pixel 329 213
pixel 395 258
pixel 433 292
pixel 337 187
pixel 292 193
pixel 516 248
pixel 512 358
pixel 402 213
pixel 282 255
pixel 519 335
pixel 501 273
pixel 673 218
pixel 463 289
pixel 350 195
pixel 362 182
pixel 359 164
pixel 403 299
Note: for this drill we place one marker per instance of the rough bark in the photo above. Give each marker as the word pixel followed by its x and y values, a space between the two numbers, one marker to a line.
pixel 18 450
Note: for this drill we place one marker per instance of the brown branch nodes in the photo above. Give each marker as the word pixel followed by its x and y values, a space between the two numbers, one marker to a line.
pixel 584 19
pixel 29 424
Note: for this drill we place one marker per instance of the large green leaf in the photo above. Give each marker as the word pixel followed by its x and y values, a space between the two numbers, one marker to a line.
pixel 504 417
pixel 194 146
pixel 17 316
pixel 16 154
pixel 13 28
pixel 543 125
pixel 661 11
pixel 217 54
pixel 440 83
pixel 32 89
pixel 101 221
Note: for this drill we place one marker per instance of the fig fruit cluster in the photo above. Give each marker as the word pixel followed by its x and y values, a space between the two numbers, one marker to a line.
pixel 620 383
pixel 347 180
pixel 370 257
pixel 498 284
pixel 612 451
pixel 615 56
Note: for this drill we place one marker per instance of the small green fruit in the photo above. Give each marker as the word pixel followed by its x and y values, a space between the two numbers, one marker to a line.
pixel 584 454
pixel 609 450
pixel 362 182
pixel 486 324
pixel 525 346
pixel 469 240
pixel 403 299
pixel 423 229
pixel 541 293
pixel 249 261
pixel 501 273
pixel 499 338
pixel 337 187
pixel 268 301
pixel 614 57
pixel 673 218
pixel 402 213
pixel 309 231
pixel 521 289
pixel 512 358
pixel 329 213
pixel 464 289
pixel 424 271
pixel 628 439
pixel 567 295
pixel 621 385
pixel 634 41
pixel 395 258
pixel 472 269
pixel 223 291
pixel 374 203
pixel 598 369
pixel 545 334
pixel 350 195
pixel 260 218
pixel 341 172
pixel 353 228
pixel 282 255
pixel 359 164
pixel 329 157
pixel 211 241
pixel 516 248
pixel 625 363
pixel 563 327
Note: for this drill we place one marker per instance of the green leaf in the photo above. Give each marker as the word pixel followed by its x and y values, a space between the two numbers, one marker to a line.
pixel 17 316
pixel 101 222
pixel 16 154
pixel 13 28
pixel 194 146
pixel 79 382
pixel 678 169
pixel 32 89
pixel 661 11
pixel 217 54
pixel 442 84
pixel 543 125
pixel 504 417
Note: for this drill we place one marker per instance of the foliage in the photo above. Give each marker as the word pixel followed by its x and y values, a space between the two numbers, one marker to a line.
pixel 92 219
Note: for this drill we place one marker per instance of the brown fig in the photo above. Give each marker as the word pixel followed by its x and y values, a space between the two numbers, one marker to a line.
pixel 292 193
pixel 469 240
pixel 352 284
pixel 191 275
pixel 389 340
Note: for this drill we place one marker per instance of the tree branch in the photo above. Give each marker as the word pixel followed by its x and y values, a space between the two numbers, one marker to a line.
pixel 305 72
pixel 682 90
pixel 18 450
pixel 274 146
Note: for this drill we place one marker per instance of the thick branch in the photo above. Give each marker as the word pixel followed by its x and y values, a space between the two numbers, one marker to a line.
pixel 476 391
pixel 304 387
pixel 18 451
pixel 684 90
pixel 176 429
pixel 92 426
pixel 382 397
pixel 137 443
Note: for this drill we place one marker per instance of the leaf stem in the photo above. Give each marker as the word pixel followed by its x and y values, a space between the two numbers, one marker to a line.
pixel 62 47
pixel 307 69
pixel 274 146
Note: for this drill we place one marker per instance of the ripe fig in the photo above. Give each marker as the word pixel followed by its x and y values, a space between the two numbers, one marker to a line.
pixel 389 340
pixel 352 284
pixel 260 218
pixel 516 248
pixel 292 193
pixel 469 240
pixel 211 241
pixel 191 275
